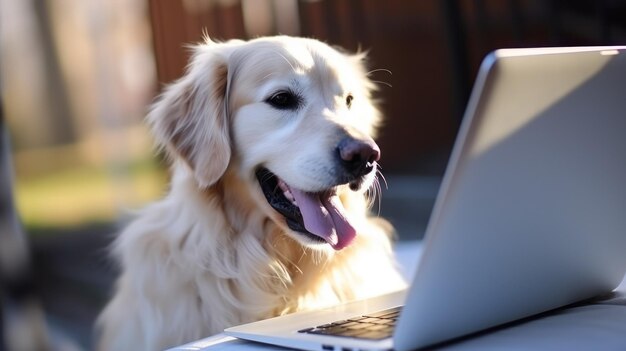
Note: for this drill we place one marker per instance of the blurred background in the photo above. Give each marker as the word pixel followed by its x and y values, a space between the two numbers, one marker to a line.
pixel 76 77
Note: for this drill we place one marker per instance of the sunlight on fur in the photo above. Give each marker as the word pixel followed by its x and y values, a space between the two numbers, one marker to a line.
pixel 272 157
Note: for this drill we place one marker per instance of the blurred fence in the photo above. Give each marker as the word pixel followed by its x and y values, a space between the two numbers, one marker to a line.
pixel 432 47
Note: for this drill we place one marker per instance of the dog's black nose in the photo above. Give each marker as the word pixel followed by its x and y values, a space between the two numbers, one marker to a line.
pixel 358 156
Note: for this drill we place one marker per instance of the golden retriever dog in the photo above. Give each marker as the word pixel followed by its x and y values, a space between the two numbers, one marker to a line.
pixel 273 165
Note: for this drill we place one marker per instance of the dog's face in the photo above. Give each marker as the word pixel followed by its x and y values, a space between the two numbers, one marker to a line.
pixel 291 116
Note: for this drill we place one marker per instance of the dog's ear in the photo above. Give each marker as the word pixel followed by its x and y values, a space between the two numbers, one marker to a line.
pixel 190 118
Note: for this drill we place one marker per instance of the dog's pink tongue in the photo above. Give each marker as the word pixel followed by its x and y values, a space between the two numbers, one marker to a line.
pixel 324 216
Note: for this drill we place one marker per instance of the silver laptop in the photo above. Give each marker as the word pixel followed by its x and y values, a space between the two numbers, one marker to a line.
pixel 531 214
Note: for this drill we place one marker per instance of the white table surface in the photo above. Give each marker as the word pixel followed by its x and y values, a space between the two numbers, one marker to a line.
pixel 596 325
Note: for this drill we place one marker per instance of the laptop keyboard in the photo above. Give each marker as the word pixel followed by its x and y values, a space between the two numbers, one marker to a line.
pixel 378 325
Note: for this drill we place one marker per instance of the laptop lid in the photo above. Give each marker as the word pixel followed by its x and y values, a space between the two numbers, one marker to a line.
pixel 530 214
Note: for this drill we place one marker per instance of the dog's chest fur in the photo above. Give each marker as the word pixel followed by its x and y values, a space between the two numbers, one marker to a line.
pixel 207 264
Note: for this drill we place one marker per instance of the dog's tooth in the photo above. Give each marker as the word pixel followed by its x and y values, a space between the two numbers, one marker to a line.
pixel 287 192
pixel 289 196
pixel 283 186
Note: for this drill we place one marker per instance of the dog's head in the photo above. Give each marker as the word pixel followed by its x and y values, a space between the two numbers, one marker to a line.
pixel 292 117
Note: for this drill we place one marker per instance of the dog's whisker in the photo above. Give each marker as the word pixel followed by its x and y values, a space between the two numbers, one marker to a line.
pixel 276 188
pixel 375 191
pixel 321 259
pixel 381 82
pixel 379 197
pixel 266 178
pixel 370 194
pixel 288 260
pixel 304 254
pixel 379 70
pixel 284 58
pixel 380 174
pixel 374 194
pixel 269 75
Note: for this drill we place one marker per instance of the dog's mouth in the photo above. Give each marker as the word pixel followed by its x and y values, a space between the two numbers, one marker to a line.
pixel 319 216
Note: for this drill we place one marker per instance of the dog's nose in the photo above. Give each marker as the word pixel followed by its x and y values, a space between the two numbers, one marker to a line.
pixel 358 156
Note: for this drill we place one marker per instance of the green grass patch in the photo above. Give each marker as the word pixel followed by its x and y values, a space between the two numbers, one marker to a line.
pixel 80 195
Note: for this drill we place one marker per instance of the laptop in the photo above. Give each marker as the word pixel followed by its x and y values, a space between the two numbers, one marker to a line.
pixel 530 216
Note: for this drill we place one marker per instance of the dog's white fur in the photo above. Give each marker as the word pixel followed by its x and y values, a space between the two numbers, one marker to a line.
pixel 213 253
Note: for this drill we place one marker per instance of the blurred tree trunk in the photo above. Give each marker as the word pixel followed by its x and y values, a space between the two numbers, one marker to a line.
pixel 62 122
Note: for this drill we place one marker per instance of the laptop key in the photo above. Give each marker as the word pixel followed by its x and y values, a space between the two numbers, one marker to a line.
pixel 392 315
pixel 327 331
pixel 381 321
pixel 373 326
pixel 384 312
pixel 323 326
pixel 376 327
pixel 355 319
pixel 369 320
pixel 360 326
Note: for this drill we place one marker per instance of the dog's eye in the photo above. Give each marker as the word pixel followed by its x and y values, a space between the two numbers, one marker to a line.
pixel 349 99
pixel 284 100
